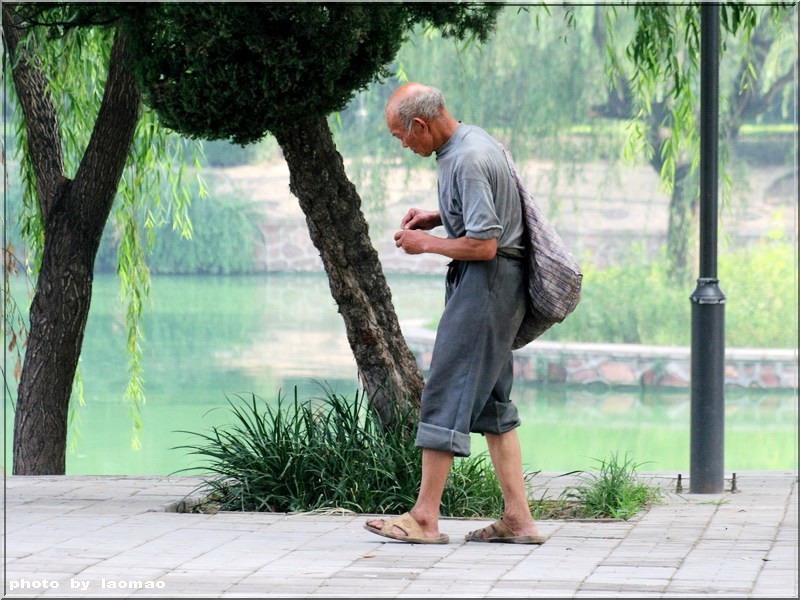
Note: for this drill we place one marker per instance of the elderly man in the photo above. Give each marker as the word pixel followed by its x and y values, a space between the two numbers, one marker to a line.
pixel 471 368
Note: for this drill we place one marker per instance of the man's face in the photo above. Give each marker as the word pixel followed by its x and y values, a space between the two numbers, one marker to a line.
pixel 419 139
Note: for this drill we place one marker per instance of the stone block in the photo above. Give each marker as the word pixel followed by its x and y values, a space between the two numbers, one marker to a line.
pixel 529 372
pixel 648 377
pixel 768 379
pixel 291 251
pixel 426 359
pixel 299 236
pixel 672 379
pixel 616 372
pixel 556 373
pixel 584 376
pixel 277 265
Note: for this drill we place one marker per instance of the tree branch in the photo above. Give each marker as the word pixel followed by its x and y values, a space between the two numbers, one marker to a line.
pixel 620 99
pixel 747 103
pixel 764 100
pixel 41 117
pixel 81 15
pixel 104 160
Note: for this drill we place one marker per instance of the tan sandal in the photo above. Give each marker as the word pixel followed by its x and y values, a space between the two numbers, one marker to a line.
pixel 500 533
pixel 407 523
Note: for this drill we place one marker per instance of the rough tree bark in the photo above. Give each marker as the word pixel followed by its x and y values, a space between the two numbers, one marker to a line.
pixel 387 369
pixel 74 213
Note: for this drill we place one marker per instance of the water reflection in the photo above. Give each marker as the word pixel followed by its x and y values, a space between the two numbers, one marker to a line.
pixel 212 337
pixel 637 405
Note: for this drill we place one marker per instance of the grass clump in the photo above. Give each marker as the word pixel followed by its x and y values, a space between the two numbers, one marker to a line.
pixel 612 492
pixel 328 453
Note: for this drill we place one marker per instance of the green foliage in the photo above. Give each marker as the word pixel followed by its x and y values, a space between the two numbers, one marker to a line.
pixel 761 286
pixel 662 68
pixel 765 151
pixel 524 85
pixel 236 70
pixel 328 453
pixel 613 491
pixel 224 241
pixel 636 302
pixel 539 85
pixel 225 234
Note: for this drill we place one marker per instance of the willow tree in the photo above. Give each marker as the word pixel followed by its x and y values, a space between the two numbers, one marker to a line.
pixel 551 68
pixel 240 71
pixel 655 84
pixel 84 142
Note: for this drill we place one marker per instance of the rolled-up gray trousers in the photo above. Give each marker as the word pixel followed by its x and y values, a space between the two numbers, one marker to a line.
pixel 472 369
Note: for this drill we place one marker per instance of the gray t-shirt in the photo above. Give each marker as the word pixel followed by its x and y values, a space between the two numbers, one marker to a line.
pixel 477 194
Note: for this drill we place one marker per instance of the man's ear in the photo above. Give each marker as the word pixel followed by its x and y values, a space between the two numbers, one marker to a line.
pixel 422 123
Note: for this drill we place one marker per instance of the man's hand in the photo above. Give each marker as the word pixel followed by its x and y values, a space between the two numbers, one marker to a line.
pixel 412 241
pixel 421 219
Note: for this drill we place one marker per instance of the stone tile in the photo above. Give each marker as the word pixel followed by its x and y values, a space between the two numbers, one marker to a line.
pixel 90 528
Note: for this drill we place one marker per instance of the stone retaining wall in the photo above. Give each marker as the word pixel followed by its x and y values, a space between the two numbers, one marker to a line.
pixel 629 364
pixel 287 247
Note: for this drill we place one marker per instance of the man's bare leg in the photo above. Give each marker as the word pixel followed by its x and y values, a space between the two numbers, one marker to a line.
pixel 507 459
pixel 435 467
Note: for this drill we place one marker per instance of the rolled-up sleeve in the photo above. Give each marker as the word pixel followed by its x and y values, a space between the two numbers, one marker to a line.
pixel 480 217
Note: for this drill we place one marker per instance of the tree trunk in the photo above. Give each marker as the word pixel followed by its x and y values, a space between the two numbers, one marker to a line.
pixel 387 369
pixel 682 208
pixel 74 220
pixel 57 323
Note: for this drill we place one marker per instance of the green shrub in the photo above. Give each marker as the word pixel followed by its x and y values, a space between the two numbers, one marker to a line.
pixel 328 453
pixel 761 286
pixel 224 238
pixel 637 303
pixel 630 303
pixel 238 70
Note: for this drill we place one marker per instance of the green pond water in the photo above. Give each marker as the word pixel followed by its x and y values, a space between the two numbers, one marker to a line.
pixel 208 337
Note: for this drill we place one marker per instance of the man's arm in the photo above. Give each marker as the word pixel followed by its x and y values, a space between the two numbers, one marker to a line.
pixel 414 241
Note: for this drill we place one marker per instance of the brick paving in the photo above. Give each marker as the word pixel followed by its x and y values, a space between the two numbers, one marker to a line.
pixel 92 535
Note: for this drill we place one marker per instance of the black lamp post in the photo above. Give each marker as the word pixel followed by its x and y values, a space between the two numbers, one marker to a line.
pixel 708 302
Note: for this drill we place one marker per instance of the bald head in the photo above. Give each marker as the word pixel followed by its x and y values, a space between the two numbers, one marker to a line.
pixel 415 115
pixel 415 100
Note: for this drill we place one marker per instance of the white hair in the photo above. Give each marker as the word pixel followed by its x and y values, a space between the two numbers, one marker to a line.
pixel 425 104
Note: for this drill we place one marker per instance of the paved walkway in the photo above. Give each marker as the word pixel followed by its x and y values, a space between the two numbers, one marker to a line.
pixel 100 536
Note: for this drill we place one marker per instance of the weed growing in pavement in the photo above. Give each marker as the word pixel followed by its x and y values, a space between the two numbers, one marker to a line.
pixel 612 492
